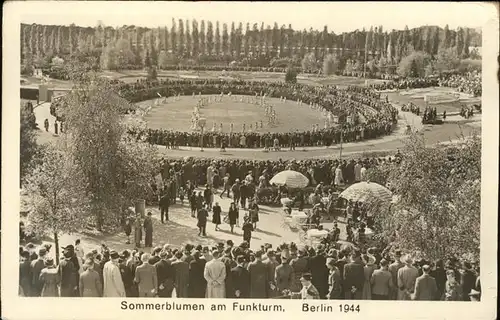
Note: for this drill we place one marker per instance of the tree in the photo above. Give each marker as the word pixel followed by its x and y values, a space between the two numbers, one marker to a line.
pixel 203 44
pixel 210 38
pixel 28 145
pixel 309 63
pixel 447 60
pixel 102 150
pixel 438 211
pixel 56 196
pixel 330 64
pixel 173 37
pixel 414 64
pixel 181 40
pixel 217 39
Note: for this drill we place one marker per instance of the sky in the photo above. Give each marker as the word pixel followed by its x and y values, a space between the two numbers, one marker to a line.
pixel 339 17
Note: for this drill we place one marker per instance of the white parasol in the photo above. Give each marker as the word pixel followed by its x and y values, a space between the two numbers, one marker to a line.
pixel 367 192
pixel 290 178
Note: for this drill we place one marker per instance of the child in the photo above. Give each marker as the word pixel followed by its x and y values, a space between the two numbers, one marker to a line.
pixel 128 229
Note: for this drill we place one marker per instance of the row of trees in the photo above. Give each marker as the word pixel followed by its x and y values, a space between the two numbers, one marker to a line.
pixel 215 43
pixel 94 171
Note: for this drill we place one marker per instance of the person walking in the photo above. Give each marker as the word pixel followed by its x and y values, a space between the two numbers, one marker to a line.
pixel 90 281
pixel 215 275
pixel 202 216
pixel 247 228
pixel 146 277
pixel 137 232
pixel 164 204
pixel 216 209
pixel 253 210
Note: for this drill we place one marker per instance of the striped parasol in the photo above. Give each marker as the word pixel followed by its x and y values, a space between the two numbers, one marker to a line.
pixel 290 178
pixel 367 192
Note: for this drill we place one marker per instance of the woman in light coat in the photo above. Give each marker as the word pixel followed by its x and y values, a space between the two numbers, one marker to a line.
pixel 215 274
pixel 113 283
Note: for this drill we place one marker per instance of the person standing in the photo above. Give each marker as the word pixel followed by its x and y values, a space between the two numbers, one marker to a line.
pixel 300 266
pixel 36 267
pixel 240 279
pixel 308 290
pixel 165 275
pixel 407 276
pixel 354 277
pixel 425 286
pixel 49 279
pixel 232 216
pixel 319 271
pixel 283 275
pixel 253 209
pixel 148 230
pixel 90 281
pixel 164 204
pixel 208 196
pixel 369 268
pixel 113 283
pixel 137 232
pixel 146 278
pixel 67 270
pixel 235 189
pixel 202 216
pixel 226 185
pixel 334 281
pixel 215 274
pixel 452 287
pixel 181 271
pixel 467 280
pixel 259 277
pixel 271 265
pixel 216 216
pixel 393 269
pixel 381 282
pixel 197 282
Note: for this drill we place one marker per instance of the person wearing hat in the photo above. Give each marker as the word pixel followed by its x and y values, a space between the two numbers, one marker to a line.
pixel 181 272
pixel 25 277
pixel 271 264
pixel 247 228
pixel 319 270
pixel 49 279
pixel 146 278
pixel 381 282
pixel 259 278
pixel 300 265
pixel 475 295
pixel 407 277
pixel 235 189
pixel 90 282
pixel 467 280
pixel 368 269
pixel 233 215
pixel 425 286
pixel 334 280
pixel 148 231
pixel 36 267
pixel 197 283
pixel 393 269
pixel 137 232
pixel 240 279
pixel 165 275
pixel 216 219
pixel 202 216
pixel 354 277
pixel 68 274
pixel 308 290
pixel 126 272
pixel 113 283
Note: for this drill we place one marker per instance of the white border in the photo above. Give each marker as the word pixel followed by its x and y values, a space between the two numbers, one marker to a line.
pixel 14 307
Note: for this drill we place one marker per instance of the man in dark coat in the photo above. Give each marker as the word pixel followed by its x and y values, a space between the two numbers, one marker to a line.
pixel 259 277
pixel 240 284
pixel 127 275
pixel 25 277
pixel 166 276
pixel 181 270
pixel 467 280
pixel 271 265
pixel 148 230
pixel 36 267
pixel 229 263
pixel 66 270
pixel 319 272
pixel 202 221
pixel 197 282
pixel 354 277
pixel 164 204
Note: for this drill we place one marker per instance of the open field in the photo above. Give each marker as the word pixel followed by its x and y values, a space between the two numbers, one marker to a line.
pixel 176 115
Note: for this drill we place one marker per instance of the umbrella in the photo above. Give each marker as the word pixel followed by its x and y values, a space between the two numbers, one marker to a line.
pixel 367 192
pixel 290 178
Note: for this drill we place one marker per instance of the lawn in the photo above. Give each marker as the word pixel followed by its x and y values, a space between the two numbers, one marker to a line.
pixel 176 115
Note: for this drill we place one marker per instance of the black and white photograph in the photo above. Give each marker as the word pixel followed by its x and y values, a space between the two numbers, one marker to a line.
pixel 269 154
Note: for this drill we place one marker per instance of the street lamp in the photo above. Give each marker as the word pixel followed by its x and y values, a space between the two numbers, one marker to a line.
pixel 201 123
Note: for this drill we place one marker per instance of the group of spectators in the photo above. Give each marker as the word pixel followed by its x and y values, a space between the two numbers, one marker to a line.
pixel 469 83
pixel 226 270
pixel 378 114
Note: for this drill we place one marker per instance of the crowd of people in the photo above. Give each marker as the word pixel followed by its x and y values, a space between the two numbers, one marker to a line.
pixel 469 83
pixel 354 102
pixel 226 270
pixel 428 116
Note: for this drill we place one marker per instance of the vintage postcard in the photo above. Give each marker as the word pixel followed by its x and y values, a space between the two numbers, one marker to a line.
pixel 235 159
